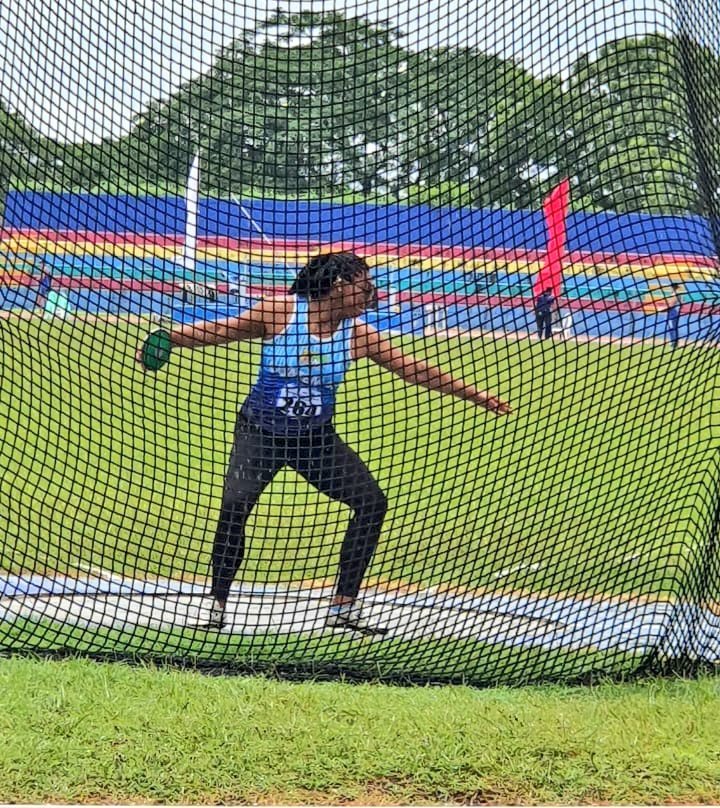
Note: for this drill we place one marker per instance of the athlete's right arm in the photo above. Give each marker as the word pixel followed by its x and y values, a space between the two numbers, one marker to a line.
pixel 261 321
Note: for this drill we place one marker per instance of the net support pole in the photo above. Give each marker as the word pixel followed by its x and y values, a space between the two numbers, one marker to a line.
pixel 708 175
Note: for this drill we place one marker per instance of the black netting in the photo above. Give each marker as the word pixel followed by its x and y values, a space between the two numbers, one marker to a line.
pixel 342 243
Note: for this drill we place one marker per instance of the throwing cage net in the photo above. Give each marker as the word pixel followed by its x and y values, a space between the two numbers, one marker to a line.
pixel 369 341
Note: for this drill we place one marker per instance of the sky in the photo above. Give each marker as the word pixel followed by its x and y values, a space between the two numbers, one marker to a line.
pixel 82 69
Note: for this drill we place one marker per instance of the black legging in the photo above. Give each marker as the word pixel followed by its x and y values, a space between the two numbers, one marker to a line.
pixel 326 463
pixel 543 321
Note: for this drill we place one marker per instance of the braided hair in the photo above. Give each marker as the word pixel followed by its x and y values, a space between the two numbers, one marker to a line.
pixel 316 278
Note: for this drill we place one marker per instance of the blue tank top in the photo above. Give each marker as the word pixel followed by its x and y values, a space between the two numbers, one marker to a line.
pixel 299 376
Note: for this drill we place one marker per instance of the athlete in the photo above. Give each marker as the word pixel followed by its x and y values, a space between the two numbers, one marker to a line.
pixel 310 337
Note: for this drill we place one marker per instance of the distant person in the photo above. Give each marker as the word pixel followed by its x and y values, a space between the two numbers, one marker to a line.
pixel 673 315
pixel 544 305
pixel 47 301
pixel 44 287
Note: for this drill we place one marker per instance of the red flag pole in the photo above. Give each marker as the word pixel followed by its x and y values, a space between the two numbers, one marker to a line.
pixel 555 208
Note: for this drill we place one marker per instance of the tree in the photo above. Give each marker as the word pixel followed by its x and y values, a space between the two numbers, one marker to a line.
pixel 316 104
pixel 632 146
pixel 523 146
pixel 26 157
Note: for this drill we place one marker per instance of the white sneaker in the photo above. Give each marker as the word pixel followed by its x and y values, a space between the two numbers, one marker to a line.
pixel 350 616
pixel 210 617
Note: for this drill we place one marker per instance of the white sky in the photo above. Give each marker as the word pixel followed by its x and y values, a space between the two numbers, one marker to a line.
pixel 80 69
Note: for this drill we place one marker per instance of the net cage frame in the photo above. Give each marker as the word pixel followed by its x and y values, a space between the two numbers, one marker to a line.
pixel 324 479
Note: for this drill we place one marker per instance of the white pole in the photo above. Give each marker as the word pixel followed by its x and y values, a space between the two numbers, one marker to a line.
pixel 246 213
pixel 191 215
pixel 252 221
pixel 187 258
pixel 393 299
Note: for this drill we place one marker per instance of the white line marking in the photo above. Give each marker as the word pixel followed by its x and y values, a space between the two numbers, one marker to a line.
pixel 672 628
pixel 510 570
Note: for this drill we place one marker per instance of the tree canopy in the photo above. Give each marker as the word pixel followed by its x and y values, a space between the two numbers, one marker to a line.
pixel 324 106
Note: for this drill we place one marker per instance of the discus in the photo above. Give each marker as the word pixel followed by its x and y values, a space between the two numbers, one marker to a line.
pixel 155 350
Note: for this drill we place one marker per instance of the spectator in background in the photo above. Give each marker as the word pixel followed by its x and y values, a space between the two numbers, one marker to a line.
pixel 673 315
pixel 544 305
pixel 44 286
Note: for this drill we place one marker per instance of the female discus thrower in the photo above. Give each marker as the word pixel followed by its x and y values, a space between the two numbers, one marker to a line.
pixel 309 340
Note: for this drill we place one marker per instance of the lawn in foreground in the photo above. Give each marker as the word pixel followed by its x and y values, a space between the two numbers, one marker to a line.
pixel 78 731
pixel 598 484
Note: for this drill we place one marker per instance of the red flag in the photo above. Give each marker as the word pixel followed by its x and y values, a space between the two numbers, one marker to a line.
pixel 555 208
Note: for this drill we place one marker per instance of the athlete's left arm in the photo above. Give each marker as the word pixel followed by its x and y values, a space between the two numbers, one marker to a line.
pixel 370 344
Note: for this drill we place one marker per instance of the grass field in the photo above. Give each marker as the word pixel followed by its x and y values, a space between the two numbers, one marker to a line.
pixel 82 732
pixel 600 484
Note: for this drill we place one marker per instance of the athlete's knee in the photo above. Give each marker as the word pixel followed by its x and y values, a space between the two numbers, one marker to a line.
pixel 241 489
pixel 380 504
pixel 371 506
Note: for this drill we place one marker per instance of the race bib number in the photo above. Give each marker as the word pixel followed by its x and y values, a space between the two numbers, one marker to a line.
pixel 299 401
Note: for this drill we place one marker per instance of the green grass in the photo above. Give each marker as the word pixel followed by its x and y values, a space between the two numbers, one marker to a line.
pixel 113 468
pixel 321 655
pixel 599 485
pixel 83 732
